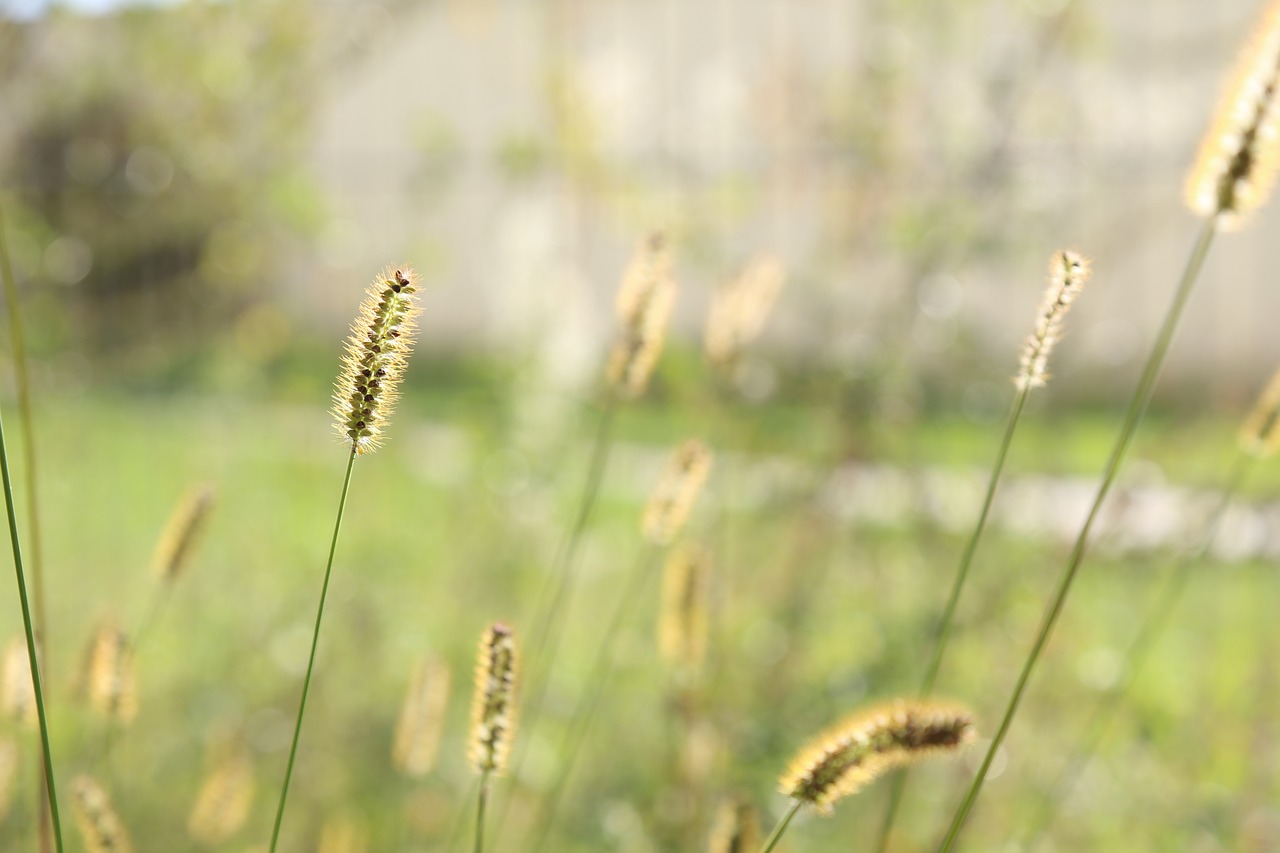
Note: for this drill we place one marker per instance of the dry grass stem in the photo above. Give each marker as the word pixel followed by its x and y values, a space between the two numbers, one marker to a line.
pixel 677 491
pixel 421 722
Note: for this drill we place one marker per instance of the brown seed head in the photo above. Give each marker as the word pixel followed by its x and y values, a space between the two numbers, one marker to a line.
pixel 1068 272
pixel 736 829
pixel 1236 167
pixel 682 618
pixel 97 818
pixel 417 738
pixel 739 310
pixel 377 349
pixel 224 801
pixel 677 491
pixel 1260 433
pixel 493 709
pixel 19 693
pixel 173 550
pixel 645 300
pixel 852 753
pixel 110 678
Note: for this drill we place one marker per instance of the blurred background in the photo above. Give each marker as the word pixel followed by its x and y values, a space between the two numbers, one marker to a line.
pixel 196 193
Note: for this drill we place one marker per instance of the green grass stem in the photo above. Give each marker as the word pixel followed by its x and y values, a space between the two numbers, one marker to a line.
pixel 772 841
pixel 481 799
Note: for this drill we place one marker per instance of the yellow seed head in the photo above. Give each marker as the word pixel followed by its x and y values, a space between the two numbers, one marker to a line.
pixel 110 679
pixel 224 801
pixel 493 710
pixel 1236 167
pixel 377 349
pixel 19 693
pixel 736 829
pixel 645 300
pixel 1260 433
pixel 677 491
pixel 421 722
pixel 173 550
pixel 343 834
pixel 97 819
pixel 682 619
pixel 739 311
pixel 1067 274
pixel 843 759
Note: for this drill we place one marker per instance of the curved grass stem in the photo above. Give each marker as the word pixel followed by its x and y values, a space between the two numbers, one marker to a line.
pixel 1137 408
pixel 772 841
pixel 311 661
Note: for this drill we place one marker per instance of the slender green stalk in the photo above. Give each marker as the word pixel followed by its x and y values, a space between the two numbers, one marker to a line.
pixel 51 788
pixel 480 804
pixel 772 841
pixel 1150 631
pixel 948 614
pixel 311 661
pixel 597 681
pixel 1137 408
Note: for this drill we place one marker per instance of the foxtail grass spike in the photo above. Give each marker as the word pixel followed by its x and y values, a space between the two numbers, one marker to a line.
pixel 849 755
pixel 181 531
pixel 225 799
pixel 1236 167
pixel 740 309
pixel 1068 273
pixel 1260 432
pixel 110 680
pixel 377 349
pixel 682 617
pixel 493 710
pixel 677 491
pixel 17 695
pixel 99 824
pixel 417 737
pixel 645 301
pixel 736 829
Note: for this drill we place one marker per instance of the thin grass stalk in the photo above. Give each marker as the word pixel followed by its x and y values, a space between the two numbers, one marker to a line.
pixel 481 799
pixel 32 656
pixel 22 379
pixel 1149 632
pixel 311 661
pixel 597 681
pixel 1137 408
pixel 772 841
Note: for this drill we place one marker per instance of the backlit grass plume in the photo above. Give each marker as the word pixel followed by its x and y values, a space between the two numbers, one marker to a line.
pixel 110 680
pixel 736 828
pixel 1260 433
pixel 493 713
pixel 225 799
pixel 682 617
pixel 99 824
pixel 677 491
pixel 1236 167
pixel 417 737
pixel 1068 273
pixel 173 549
pixel 739 310
pixel 645 300
pixel 377 349
pixel 17 696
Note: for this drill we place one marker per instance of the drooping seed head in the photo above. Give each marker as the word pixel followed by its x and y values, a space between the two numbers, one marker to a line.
pixel 99 824
pixel 1260 433
pixel 739 310
pixel 1068 273
pixel 645 300
pixel 173 550
pixel 377 349
pixel 843 759
pixel 1236 166
pixel 493 709
pixel 421 722
pixel 682 618
pixel 736 829
pixel 110 679
pixel 19 693
pixel 677 491
pixel 225 799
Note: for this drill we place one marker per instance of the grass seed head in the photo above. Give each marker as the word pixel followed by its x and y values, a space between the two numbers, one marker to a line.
pixel 173 550
pixel 1260 433
pixel 682 618
pixel 225 800
pixel 377 350
pixel 736 828
pixel 99 824
pixel 849 755
pixel 493 709
pixel 677 491
pixel 1236 167
pixel 645 300
pixel 110 678
pixel 343 834
pixel 18 696
pixel 739 310
pixel 417 737
pixel 1068 273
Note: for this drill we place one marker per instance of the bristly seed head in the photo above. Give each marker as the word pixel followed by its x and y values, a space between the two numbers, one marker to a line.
pixel 225 799
pixel 111 681
pixel 852 753
pixel 1236 167
pixel 1260 433
pixel 493 710
pixel 682 618
pixel 181 532
pixel 645 300
pixel 1068 273
pixel 739 310
pixel 421 723
pixel 677 491
pixel 377 349
pixel 99 824
pixel 737 828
